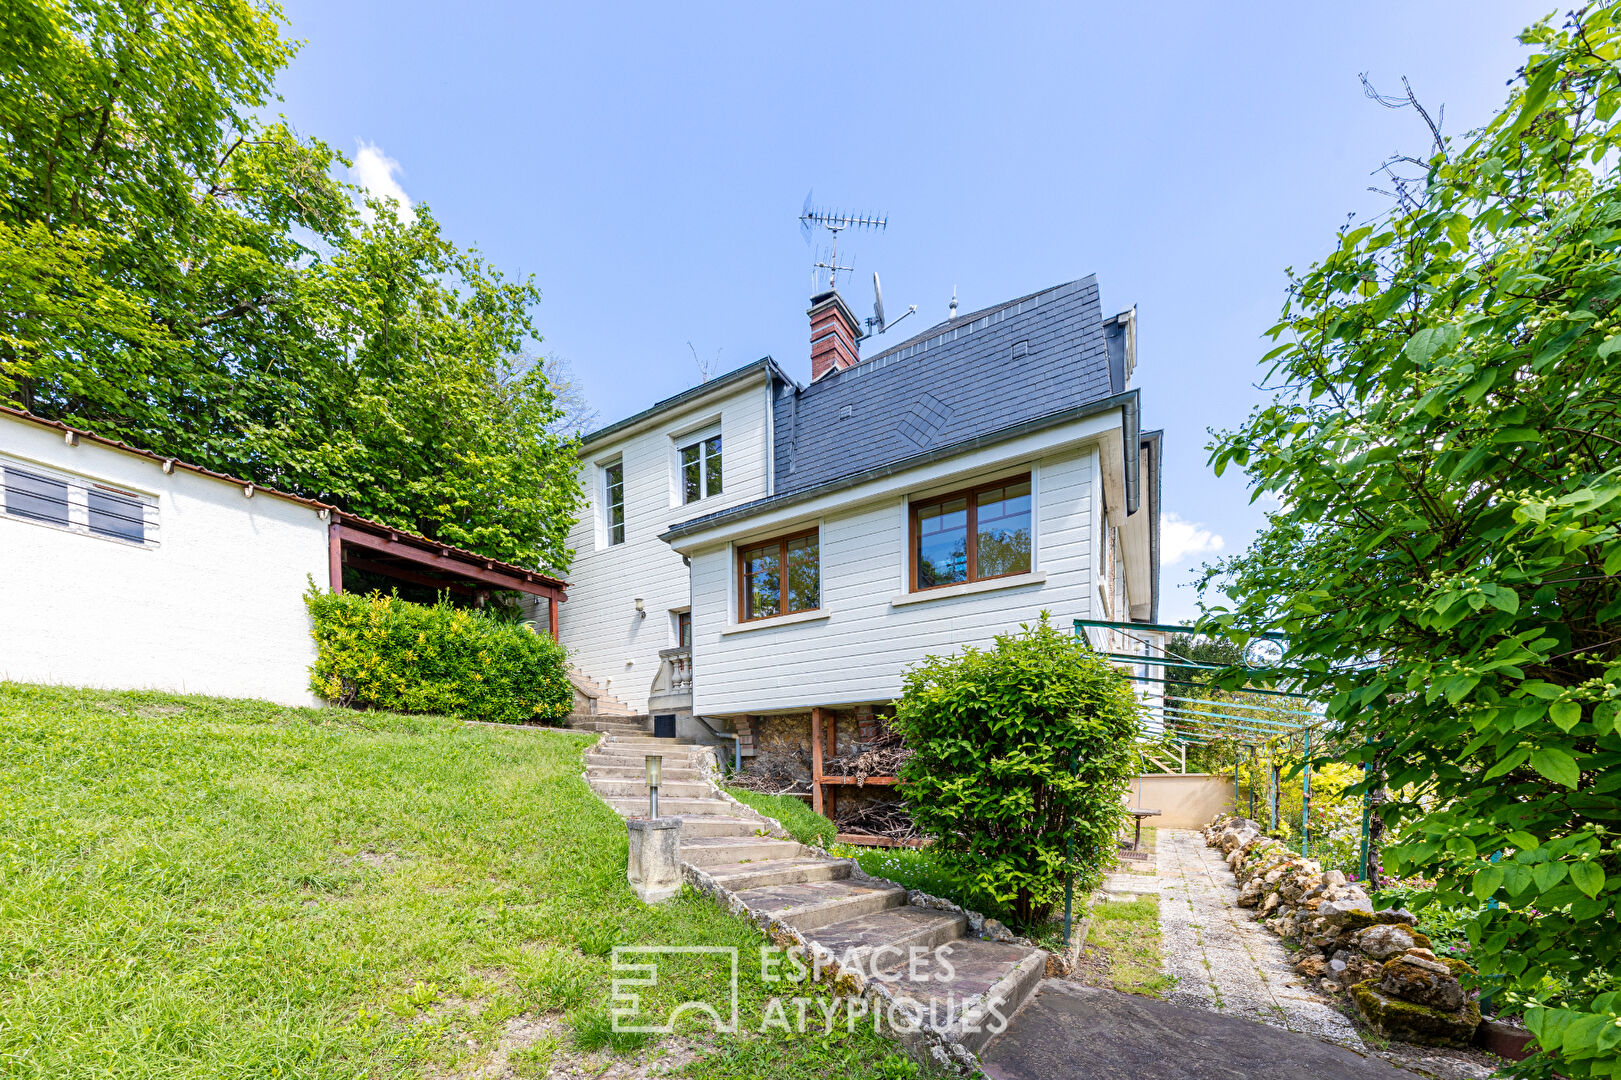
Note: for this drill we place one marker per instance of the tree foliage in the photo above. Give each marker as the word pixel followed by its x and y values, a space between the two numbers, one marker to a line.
pixel 1021 756
pixel 1445 561
pixel 180 273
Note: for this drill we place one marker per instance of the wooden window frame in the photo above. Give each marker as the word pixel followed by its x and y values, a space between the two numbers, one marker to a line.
pixel 968 495
pixel 782 543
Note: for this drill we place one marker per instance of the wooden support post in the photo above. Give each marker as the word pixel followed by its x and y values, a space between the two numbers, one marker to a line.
pixel 831 798
pixel 816 760
pixel 334 547
pixel 551 616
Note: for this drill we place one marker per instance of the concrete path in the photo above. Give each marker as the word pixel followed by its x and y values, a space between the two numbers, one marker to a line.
pixel 1080 1031
pixel 1221 958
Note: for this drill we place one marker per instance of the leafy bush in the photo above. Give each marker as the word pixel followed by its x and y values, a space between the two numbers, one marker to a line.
pixel 802 823
pixel 1021 756
pixel 378 651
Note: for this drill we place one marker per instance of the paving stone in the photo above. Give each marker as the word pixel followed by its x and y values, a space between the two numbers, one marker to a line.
pixel 1220 956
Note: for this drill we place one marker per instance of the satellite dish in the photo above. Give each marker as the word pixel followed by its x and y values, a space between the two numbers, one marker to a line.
pixel 877 300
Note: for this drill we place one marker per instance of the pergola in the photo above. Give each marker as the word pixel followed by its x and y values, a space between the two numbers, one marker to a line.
pixel 403 556
pixel 1254 718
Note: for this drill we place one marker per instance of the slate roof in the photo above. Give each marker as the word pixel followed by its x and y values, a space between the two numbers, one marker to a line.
pixel 960 380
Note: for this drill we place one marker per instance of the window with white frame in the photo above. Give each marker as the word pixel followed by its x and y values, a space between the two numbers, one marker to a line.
pixel 30 492
pixel 699 461
pixel 613 502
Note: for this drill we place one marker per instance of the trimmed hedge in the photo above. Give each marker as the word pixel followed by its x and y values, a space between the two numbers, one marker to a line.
pixel 378 651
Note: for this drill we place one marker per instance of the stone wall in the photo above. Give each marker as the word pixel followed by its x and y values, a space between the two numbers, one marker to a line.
pixel 1402 988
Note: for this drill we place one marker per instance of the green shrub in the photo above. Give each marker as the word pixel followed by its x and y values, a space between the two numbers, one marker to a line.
pixel 803 824
pixel 1021 756
pixel 378 651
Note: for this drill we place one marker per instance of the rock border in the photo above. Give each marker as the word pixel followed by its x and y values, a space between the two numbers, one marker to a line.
pixel 1401 988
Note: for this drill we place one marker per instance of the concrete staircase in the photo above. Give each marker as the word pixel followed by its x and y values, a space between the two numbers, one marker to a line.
pixel 748 860
pixel 595 709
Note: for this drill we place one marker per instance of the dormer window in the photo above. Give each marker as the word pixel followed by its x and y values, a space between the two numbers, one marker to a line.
pixel 700 469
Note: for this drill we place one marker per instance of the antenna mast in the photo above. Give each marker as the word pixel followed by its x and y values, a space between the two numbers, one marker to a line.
pixel 835 222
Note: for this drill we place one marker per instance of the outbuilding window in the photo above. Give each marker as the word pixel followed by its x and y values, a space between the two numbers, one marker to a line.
pixel 35 493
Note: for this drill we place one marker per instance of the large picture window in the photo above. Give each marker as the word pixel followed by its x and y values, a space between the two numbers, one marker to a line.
pixel 613 501
pixel 700 469
pixel 779 577
pixel 972 535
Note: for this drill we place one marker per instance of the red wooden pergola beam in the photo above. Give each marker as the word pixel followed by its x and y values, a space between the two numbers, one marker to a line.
pixel 400 572
pixel 465 565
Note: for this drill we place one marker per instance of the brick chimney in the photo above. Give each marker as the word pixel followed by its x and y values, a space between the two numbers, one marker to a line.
pixel 833 334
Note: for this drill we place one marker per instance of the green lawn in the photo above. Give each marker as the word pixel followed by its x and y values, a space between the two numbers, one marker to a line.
pixel 1123 948
pixel 802 823
pixel 193 887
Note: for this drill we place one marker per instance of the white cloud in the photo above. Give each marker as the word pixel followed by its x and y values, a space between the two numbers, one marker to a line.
pixel 376 172
pixel 1180 539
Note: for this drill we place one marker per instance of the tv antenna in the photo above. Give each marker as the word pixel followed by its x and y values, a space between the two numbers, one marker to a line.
pixel 835 222
pixel 877 318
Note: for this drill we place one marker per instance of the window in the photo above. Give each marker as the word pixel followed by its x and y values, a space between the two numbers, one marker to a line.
pixel 683 629
pixel 116 515
pixel 779 577
pixel 700 469
pixel 613 501
pixel 972 535
pixel 39 494
pixel 32 495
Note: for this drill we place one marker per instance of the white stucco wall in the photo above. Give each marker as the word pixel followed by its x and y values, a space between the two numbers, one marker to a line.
pixel 215 607
pixel 598 625
pixel 857 646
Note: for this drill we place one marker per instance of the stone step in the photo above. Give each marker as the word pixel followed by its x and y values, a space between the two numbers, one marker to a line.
pixel 713 826
pixel 646 744
pixel 672 773
pixel 900 928
pixel 780 872
pixel 624 759
pixel 984 974
pixel 812 904
pixel 720 852
pixel 611 788
pixel 677 807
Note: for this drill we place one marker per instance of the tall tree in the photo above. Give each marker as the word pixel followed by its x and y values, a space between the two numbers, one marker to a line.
pixel 179 273
pixel 1447 562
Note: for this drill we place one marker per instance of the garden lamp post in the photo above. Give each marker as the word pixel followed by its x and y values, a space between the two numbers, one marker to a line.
pixel 655 768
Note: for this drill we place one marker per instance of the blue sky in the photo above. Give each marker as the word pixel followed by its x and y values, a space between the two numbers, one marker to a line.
pixel 647 163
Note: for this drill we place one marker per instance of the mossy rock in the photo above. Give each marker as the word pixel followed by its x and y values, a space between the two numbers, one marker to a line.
pixel 1407 1022
pixel 1459 968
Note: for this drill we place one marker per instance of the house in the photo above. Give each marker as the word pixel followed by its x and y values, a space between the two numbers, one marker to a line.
pixel 755 549
pixel 123 569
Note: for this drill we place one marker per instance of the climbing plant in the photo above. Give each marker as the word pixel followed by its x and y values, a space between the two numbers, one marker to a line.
pixel 1447 454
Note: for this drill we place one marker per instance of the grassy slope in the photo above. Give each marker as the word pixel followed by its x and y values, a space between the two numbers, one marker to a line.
pixel 802 823
pixel 193 887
